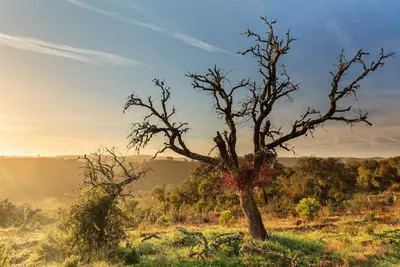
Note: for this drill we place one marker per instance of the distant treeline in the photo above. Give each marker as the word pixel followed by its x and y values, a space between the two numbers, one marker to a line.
pixel 335 183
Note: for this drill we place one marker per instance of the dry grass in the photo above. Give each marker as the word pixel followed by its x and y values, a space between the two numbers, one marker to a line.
pixel 348 240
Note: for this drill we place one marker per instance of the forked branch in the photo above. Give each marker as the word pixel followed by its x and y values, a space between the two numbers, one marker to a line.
pixel 110 171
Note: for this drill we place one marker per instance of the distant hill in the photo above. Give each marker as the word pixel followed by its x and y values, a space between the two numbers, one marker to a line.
pixel 52 181
pixel 290 161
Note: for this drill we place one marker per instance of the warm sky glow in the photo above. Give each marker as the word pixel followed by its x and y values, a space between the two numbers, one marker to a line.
pixel 67 67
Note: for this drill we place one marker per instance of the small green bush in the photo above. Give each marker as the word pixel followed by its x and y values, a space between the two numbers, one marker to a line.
pixel 308 208
pixel 128 255
pixel 226 218
pixel 181 240
pixel 162 221
pixel 93 222
pixel 72 261
pixel 230 250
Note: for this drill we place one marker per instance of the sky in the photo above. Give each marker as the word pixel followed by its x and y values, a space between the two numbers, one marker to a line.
pixel 68 66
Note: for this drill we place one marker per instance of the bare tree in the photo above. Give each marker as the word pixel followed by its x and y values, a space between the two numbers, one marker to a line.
pixel 113 173
pixel 255 109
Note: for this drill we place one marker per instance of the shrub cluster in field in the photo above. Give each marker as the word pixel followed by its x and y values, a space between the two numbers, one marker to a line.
pixel 12 215
pixel 308 208
pixel 91 227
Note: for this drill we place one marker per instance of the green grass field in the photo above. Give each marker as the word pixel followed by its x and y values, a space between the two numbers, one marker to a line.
pixel 347 240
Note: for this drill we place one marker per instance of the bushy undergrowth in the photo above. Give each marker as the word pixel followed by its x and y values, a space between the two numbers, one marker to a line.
pixel 12 215
pixel 54 247
pixel 308 208
pixel 90 228
pixel 93 222
pixel 128 254
pixel 162 221
pixel 72 261
pixel 226 218
pixel 93 228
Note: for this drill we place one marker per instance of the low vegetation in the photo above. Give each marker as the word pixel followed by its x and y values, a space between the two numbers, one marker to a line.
pixel 198 224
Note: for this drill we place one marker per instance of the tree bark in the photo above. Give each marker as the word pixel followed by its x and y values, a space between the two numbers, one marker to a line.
pixel 252 215
pixel 265 196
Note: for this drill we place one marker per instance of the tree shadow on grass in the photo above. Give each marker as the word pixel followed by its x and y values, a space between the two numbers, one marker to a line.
pixel 306 251
pixel 295 243
pixel 307 228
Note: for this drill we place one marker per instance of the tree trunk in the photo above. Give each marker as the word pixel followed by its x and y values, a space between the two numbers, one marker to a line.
pixel 265 196
pixel 253 215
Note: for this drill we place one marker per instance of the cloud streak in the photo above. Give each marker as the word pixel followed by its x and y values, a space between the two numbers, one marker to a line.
pixel 344 39
pixel 145 12
pixel 83 55
pixel 127 20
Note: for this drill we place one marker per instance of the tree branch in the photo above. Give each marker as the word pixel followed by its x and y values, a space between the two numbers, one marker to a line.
pixel 159 121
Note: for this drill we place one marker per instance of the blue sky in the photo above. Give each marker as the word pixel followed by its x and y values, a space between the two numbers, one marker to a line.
pixel 67 67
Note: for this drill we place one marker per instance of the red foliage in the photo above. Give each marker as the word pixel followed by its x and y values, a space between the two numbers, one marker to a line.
pixel 246 179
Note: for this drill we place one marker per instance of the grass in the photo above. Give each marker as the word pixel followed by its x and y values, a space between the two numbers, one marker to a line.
pixel 344 241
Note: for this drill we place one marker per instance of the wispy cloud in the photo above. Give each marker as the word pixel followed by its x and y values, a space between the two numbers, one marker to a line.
pixel 60 50
pixel 124 19
pixel 118 17
pixel 145 12
pixel 197 43
pixel 344 39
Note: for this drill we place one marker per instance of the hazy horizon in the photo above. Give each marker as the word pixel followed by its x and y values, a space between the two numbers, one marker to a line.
pixel 68 67
pixel 163 157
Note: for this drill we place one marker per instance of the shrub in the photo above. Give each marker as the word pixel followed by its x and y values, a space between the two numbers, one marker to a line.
pixel 226 218
pixel 206 219
pixel 178 239
pixel 279 206
pixel 11 214
pixel 93 222
pixel 162 221
pixel 53 247
pixel 358 203
pixel 351 229
pixel 143 215
pixel 178 217
pixel 128 255
pixel 324 213
pixel 231 249
pixel 308 208
pixel 72 261
pixel 370 216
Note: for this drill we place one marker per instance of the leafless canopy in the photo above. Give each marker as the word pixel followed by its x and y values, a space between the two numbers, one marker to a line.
pixel 256 107
pixel 110 171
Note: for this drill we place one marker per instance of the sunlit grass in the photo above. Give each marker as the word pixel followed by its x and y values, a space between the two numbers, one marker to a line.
pixel 346 241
